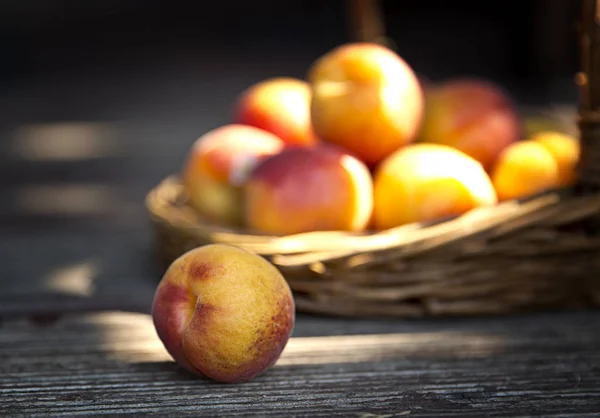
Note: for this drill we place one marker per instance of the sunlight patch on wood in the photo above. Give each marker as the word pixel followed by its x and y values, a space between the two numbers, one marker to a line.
pixel 132 338
pixel 65 141
pixel 75 279
pixel 379 347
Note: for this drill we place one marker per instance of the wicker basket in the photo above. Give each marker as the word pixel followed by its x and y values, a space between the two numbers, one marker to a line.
pixel 539 253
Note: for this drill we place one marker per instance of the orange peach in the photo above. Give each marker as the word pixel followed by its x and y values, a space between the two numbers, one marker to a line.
pixel 565 150
pixel 366 99
pixel 427 182
pixel 309 189
pixel 281 106
pixel 473 116
pixel 523 169
pixel 217 166
pixel 223 313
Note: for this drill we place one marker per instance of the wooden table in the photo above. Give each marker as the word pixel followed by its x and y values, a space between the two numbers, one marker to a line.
pixel 76 283
pixel 113 363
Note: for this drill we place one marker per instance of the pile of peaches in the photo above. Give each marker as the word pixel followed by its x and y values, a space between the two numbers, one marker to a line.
pixel 363 144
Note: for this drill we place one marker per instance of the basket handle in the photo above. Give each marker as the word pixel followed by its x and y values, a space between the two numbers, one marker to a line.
pixel 589 82
pixel 366 22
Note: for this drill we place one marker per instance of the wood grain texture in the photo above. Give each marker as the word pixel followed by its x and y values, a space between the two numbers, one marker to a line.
pixel 113 363
pixel 61 271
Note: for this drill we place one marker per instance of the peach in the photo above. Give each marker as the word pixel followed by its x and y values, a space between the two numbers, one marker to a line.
pixel 366 99
pixel 223 313
pixel 523 169
pixel 217 165
pixel 427 182
pixel 309 189
pixel 473 116
pixel 281 106
pixel 565 150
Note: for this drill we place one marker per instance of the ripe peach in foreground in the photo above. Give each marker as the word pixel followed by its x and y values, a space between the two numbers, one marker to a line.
pixel 523 169
pixel 425 182
pixel 366 99
pixel 309 189
pixel 281 106
pixel 565 150
pixel 217 165
pixel 224 313
pixel 473 116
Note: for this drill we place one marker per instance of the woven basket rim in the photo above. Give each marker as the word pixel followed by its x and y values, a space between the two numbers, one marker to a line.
pixel 167 205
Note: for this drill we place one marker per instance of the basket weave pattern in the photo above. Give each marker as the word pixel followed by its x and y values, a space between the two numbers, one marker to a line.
pixel 519 255
pixel 513 256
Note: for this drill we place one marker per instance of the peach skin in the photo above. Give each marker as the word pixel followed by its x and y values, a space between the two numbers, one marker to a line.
pixel 473 116
pixel 223 313
pixel 426 182
pixel 523 169
pixel 217 166
pixel 280 106
pixel 309 189
pixel 365 99
pixel 565 150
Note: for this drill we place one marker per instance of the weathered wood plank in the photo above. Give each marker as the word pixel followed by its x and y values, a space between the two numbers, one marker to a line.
pixel 55 271
pixel 113 363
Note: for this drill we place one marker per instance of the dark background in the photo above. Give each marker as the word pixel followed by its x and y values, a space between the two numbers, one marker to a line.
pixel 153 76
pixel 510 38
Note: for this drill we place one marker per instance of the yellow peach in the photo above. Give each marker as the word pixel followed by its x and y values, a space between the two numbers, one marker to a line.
pixel 309 189
pixel 523 169
pixel 426 182
pixel 565 150
pixel 223 313
pixel 217 165
pixel 278 105
pixel 473 116
pixel 365 99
